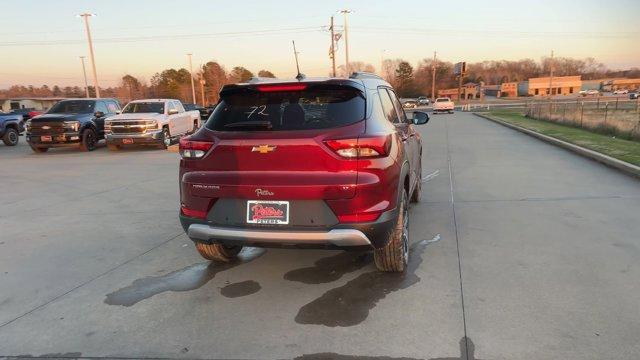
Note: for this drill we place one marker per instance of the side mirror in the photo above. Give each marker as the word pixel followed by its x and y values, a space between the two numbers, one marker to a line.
pixel 420 118
pixel 98 114
pixel 173 111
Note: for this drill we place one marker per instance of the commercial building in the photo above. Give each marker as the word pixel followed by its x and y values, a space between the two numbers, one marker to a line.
pixel 41 104
pixel 560 85
pixel 468 91
pixel 450 93
pixel 621 84
pixel 509 89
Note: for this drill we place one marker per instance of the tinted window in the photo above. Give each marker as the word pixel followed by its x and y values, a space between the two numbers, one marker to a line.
pixel 144 107
pixel 100 106
pixel 318 107
pixel 178 106
pixel 112 107
pixel 171 106
pixel 442 100
pixel 387 106
pixel 398 106
pixel 73 107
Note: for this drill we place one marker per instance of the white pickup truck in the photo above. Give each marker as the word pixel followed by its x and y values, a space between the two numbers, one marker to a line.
pixel 443 104
pixel 150 122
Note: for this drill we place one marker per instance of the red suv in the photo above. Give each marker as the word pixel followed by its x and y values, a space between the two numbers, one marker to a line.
pixel 309 163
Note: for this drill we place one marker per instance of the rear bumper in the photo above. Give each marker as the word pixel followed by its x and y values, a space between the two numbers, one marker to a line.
pixel 336 237
pixel 341 236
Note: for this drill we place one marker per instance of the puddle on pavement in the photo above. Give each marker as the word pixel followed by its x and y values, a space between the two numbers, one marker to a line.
pixel 240 289
pixel 467 352
pixel 350 303
pixel 190 278
pixel 330 268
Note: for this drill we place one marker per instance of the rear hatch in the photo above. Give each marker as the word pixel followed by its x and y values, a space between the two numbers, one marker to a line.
pixel 270 144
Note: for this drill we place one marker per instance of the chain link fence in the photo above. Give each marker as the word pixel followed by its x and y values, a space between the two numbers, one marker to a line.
pixel 618 117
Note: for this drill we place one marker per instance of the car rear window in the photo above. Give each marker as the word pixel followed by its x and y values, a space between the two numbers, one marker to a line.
pixel 72 107
pixel 315 107
pixel 443 100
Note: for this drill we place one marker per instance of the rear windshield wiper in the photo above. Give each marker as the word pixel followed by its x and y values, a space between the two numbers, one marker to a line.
pixel 251 124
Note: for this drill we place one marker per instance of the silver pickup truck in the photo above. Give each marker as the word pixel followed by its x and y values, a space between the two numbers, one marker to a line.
pixel 150 122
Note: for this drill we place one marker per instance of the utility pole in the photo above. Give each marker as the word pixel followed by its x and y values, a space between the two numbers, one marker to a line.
pixel 202 82
pixel 84 72
pixel 433 78
pixel 193 88
pixel 346 41
pixel 550 74
pixel 333 48
pixel 86 16
pixel 382 61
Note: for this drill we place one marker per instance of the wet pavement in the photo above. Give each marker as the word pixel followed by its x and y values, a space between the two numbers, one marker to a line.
pixel 519 251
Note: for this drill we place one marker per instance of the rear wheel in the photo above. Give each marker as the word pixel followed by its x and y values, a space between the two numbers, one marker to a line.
pixel 218 252
pixel 10 137
pixel 89 140
pixel 39 150
pixel 394 256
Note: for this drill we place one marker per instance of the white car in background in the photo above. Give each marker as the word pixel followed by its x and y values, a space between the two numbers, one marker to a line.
pixel 443 104
pixel 621 92
pixel 150 122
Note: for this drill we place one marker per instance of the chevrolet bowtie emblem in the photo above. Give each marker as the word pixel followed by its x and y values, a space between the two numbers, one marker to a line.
pixel 263 149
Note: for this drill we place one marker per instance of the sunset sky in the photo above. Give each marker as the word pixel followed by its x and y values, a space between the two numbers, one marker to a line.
pixel 40 41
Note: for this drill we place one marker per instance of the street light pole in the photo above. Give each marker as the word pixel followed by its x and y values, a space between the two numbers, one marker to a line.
pixel 86 16
pixel 346 41
pixel 193 88
pixel 550 74
pixel 84 72
pixel 433 78
pixel 202 82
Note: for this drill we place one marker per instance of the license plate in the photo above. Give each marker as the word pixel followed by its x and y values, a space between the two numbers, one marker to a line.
pixel 127 141
pixel 45 138
pixel 267 212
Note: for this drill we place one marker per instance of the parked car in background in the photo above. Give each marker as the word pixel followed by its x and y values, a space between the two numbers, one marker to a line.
pixel 27 113
pixel 423 100
pixel 325 163
pixel 443 104
pixel 71 122
pixel 634 95
pixel 592 92
pixel 409 104
pixel 11 126
pixel 204 112
pixel 150 122
pixel 621 92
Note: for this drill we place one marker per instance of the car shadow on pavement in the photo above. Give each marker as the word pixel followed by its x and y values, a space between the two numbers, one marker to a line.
pixel 189 278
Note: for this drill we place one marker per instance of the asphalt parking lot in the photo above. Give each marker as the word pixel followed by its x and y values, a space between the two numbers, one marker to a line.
pixel 520 250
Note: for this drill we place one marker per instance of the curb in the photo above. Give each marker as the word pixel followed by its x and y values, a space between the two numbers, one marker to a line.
pixel 623 166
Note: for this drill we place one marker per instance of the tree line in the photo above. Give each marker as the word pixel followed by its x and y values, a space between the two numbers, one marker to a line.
pixel 408 80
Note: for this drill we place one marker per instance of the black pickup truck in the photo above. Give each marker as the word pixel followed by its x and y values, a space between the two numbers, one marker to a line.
pixel 11 126
pixel 71 122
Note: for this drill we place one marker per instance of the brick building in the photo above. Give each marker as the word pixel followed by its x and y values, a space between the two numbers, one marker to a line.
pixel 509 89
pixel 561 85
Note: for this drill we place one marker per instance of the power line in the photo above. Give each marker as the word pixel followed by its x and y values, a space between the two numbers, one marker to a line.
pixel 166 37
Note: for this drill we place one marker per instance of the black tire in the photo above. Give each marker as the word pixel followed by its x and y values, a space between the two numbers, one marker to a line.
pixel 113 147
pixel 39 150
pixel 11 137
pixel 394 256
pixel 218 252
pixel 165 140
pixel 89 140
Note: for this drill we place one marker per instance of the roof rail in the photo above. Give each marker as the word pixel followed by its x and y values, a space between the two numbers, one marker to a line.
pixel 364 75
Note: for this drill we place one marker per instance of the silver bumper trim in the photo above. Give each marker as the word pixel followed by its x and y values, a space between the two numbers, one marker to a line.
pixel 338 237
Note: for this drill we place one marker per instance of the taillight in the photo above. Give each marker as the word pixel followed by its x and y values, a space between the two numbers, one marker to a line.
pixel 352 218
pixel 193 149
pixel 193 213
pixel 362 147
